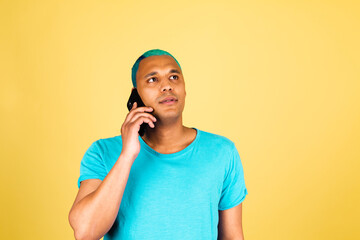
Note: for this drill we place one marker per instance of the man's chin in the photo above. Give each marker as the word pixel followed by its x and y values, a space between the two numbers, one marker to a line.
pixel 167 116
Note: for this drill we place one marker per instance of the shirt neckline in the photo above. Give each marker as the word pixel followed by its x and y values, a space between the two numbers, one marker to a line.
pixel 170 155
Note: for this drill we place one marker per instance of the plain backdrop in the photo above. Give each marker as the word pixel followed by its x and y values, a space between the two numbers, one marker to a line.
pixel 279 78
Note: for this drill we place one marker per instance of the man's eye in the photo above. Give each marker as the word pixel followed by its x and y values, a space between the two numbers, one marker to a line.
pixel 175 76
pixel 150 79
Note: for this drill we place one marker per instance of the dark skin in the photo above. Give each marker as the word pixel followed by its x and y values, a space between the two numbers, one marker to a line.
pixel 169 134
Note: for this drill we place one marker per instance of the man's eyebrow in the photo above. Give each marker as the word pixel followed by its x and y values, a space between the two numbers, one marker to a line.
pixel 153 73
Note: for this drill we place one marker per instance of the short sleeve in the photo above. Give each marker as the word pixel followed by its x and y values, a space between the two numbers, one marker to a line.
pixel 234 188
pixel 92 164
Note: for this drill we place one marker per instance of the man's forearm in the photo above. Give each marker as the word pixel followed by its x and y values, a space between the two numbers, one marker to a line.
pixel 93 216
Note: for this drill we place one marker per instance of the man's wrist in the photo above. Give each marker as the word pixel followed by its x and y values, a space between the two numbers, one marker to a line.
pixel 127 157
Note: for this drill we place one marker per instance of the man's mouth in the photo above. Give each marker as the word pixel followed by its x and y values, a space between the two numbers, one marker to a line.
pixel 169 100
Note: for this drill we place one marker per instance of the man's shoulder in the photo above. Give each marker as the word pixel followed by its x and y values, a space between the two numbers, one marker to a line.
pixel 108 142
pixel 215 139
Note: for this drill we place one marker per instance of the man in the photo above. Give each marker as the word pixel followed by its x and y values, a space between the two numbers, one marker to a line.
pixel 174 182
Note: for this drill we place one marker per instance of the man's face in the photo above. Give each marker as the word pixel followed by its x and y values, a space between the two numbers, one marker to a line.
pixel 159 77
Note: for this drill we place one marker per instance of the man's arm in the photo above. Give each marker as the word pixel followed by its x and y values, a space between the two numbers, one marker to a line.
pixel 230 224
pixel 97 202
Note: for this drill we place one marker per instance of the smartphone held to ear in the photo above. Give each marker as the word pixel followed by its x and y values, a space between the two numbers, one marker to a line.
pixel 134 97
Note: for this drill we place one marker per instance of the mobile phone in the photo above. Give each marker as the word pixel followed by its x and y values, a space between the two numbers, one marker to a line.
pixel 135 97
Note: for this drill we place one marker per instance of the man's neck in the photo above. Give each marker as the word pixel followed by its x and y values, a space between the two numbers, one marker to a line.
pixel 167 137
pixel 164 136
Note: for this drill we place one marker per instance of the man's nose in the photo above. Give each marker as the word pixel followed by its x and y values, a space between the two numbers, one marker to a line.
pixel 166 85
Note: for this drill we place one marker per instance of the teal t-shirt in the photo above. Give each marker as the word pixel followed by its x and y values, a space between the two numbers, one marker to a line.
pixel 171 196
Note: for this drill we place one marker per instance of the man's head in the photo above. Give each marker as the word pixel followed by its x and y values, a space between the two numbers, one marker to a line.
pixel 157 75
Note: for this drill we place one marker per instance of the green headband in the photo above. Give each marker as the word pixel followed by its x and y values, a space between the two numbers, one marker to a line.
pixel 153 52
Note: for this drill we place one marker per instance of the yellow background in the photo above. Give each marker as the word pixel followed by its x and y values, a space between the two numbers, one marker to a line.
pixel 279 78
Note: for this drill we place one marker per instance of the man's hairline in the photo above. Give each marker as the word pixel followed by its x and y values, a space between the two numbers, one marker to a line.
pixel 177 66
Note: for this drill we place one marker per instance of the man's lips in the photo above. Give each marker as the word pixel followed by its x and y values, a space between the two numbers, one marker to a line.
pixel 168 99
